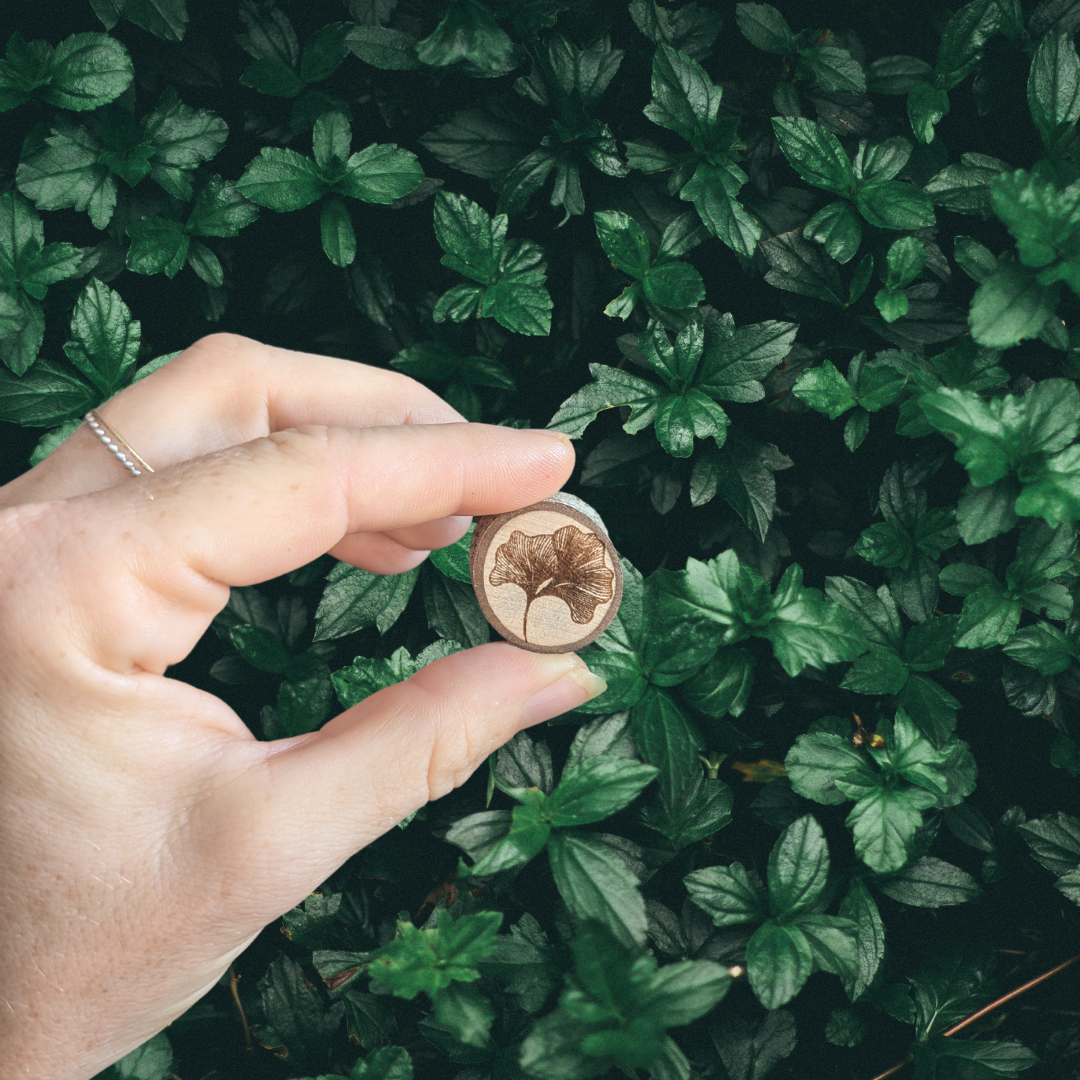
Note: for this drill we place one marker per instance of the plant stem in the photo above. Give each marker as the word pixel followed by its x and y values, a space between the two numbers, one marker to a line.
pixel 986 1009
pixel 525 620
pixel 234 980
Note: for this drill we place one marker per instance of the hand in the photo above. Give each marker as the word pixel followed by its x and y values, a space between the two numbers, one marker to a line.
pixel 140 816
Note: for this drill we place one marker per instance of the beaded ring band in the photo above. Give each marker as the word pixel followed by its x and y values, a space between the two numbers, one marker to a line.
pixel 119 448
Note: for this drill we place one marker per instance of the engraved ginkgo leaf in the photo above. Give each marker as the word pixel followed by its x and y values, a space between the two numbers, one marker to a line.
pixel 568 564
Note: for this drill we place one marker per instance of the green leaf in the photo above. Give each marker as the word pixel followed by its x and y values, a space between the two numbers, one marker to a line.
pixel 989 618
pixel 182 138
pixel 151 1061
pixel 798 266
pixel 296 1022
pixel 684 98
pixel 1010 306
pixel 879 671
pixel 961 43
pixel 875 612
pixel 762 25
pixel 452 609
pixel 837 226
pixel 383 47
pixel 778 961
pixel 309 925
pixel 832 942
pixel 305 696
pixel 723 685
pixel 1054 842
pixel 105 338
pixel 816 762
pixel 385 1063
pixel 836 70
pixel 1053 88
pixel 825 390
pixel 859 906
pixel 816 154
pixel 895 205
pixel 964 187
pixel 951 984
pixel 807 630
pixel 166 19
pixel 355 599
pixel 158 246
pixel 1041 646
pixel 897 74
pixel 260 648
pixel 727 894
pixel 281 179
pixel 616 1007
pixel 87 71
pixel 526 838
pixel 364 676
pixel 65 171
pixel 427 961
pixel 271 75
pixel 48 394
pixel 338 237
pixel 220 209
pixel 932 708
pixel 612 388
pixel 323 52
pixel 999 1057
pixel 712 191
pixel 699 809
pixel 511 271
pixel 597 789
pixel 752 1053
pixel 743 473
pixel 668 739
pixel 624 242
pixel 1053 492
pixel 595 883
pixel 927 106
pixel 986 512
pixel 884 822
pixel 930 883
pixel 380 173
pixel 469 35
pixel 798 867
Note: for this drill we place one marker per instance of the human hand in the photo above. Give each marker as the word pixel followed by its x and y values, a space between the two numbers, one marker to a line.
pixel 138 811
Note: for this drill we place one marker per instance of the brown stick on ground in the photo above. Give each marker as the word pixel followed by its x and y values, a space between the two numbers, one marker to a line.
pixel 996 1004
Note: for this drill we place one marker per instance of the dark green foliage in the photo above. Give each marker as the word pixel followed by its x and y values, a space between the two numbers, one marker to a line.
pixel 801 281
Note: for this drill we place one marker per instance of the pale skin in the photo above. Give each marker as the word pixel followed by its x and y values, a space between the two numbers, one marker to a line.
pixel 146 837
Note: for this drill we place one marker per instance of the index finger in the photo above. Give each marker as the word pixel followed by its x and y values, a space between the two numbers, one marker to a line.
pixel 253 512
pixel 222 391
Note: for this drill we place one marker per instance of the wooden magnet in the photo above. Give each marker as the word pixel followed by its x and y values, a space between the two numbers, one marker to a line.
pixel 547 576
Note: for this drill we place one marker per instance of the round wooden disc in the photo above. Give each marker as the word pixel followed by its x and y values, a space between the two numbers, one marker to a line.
pixel 547 577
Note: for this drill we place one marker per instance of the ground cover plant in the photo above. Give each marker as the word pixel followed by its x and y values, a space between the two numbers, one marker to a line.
pixel 802 283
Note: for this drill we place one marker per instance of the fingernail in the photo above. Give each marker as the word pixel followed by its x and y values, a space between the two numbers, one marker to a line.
pixel 548 431
pixel 568 692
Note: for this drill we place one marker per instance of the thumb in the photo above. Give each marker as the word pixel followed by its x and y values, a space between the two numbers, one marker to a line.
pixel 319 798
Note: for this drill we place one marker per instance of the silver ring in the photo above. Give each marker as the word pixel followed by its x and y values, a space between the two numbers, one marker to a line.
pixel 116 445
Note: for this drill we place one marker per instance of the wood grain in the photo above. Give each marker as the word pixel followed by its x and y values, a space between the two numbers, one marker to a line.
pixel 547 576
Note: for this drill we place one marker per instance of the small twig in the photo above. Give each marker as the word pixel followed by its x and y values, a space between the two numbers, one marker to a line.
pixel 996 1004
pixel 234 980
pixel 895 1069
pixel 1010 995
